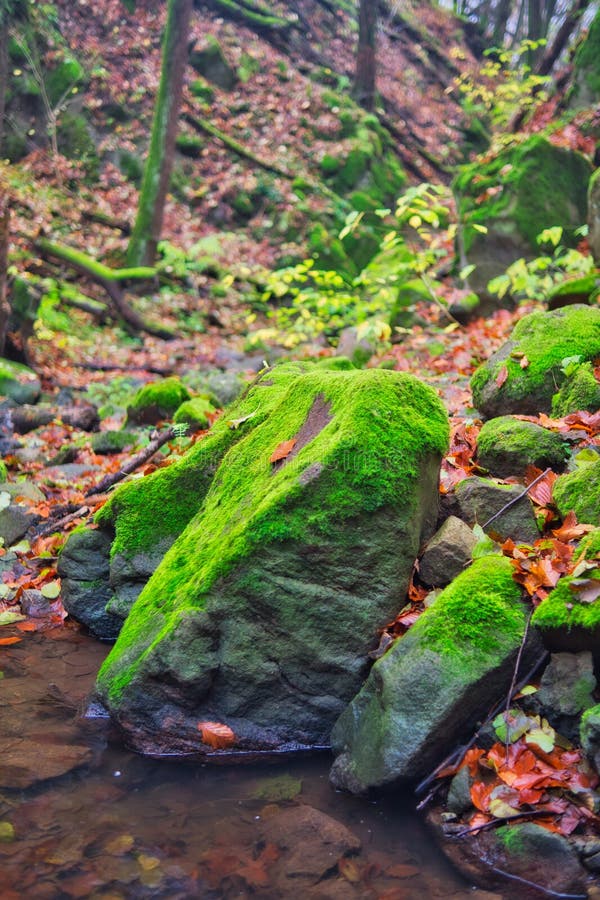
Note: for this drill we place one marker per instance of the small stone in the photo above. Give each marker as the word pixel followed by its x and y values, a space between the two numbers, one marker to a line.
pixel 448 553
pixel 34 604
pixel 7 832
pixel 15 520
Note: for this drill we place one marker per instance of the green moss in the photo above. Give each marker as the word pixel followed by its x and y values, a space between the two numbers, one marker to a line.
pixel 131 166
pixel 506 446
pixel 542 185
pixel 576 290
pixel 194 413
pixel 156 401
pixel 580 491
pixel 3 471
pixel 580 391
pixel 562 609
pixel 202 91
pixel 189 144
pixel 589 546
pixel 476 612
pixel 545 339
pixel 364 459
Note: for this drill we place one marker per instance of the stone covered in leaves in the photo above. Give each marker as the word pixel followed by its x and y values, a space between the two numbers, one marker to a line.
pixel 523 375
pixel 434 683
pixel 305 510
pixel 505 202
pixel 507 445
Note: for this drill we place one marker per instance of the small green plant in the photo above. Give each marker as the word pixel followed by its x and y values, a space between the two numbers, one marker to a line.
pixel 534 279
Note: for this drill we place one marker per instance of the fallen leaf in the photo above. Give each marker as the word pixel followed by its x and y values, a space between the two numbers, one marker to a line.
pixel 8 617
pixel 349 869
pixel 51 590
pixel 524 362
pixel 216 735
pixel 4 642
pixel 401 870
pixel 501 376
pixel 282 450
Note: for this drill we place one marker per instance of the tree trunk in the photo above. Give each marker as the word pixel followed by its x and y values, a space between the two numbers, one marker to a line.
pixel 4 236
pixel 364 80
pixel 501 16
pixel 3 76
pixel 157 173
pixel 562 37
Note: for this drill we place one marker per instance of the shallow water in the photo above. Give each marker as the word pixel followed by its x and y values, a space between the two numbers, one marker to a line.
pixel 119 826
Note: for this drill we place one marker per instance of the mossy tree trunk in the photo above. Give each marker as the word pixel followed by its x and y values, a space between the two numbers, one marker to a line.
pixel 155 183
pixel 366 65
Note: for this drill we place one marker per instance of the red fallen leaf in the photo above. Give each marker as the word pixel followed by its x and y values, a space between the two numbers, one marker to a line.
pixel 524 362
pixel 480 795
pixel 282 450
pixel 4 642
pixel 216 735
pixel 540 493
pixel 570 530
pixel 501 376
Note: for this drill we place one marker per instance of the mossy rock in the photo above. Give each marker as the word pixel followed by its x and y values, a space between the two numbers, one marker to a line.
pixel 580 491
pixel 594 216
pixel 580 391
pixel 545 339
pixel 210 62
pixel 262 613
pixel 106 443
pixel 586 75
pixel 434 683
pixel 576 290
pixel 506 446
pixel 568 619
pixel 541 185
pixel 201 90
pixel 157 401
pixel 195 413
pixel 18 382
pixel 189 144
pixel 75 141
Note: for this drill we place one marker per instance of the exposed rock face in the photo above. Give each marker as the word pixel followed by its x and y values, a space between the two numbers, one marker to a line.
pixel 512 198
pixel 435 682
pixel 263 611
pixel 84 569
pixel 502 385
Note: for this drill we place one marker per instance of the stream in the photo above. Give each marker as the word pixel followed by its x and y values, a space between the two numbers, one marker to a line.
pixel 80 816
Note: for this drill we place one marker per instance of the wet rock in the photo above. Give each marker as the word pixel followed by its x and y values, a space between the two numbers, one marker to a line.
pixel 26 762
pixel 84 416
pixel 311 843
pixel 34 604
pixel 503 386
pixel 27 418
pixel 459 794
pixel 566 690
pixel 84 569
pixel 506 446
pixel 15 521
pixel 263 611
pixel 18 382
pixel 434 683
pixel 479 499
pixel 448 553
pixel 590 735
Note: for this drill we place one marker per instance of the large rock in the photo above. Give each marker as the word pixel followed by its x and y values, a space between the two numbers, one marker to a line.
pixel 157 401
pixel 507 445
pixel 586 74
pixel 18 383
pixel 512 197
pixel 502 385
pixel 434 683
pixel 84 569
pixel 262 613
pixel 484 502
pixel 594 216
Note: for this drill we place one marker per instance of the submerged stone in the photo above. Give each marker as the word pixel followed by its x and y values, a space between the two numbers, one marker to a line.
pixel 305 506
pixel 434 683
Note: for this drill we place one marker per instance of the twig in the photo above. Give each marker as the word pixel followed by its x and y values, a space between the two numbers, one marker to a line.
pixel 134 463
pixel 511 690
pixel 59 524
pixel 548 892
pixel 516 499
pixel 501 820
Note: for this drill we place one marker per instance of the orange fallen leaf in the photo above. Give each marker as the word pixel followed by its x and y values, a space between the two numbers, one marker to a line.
pixel 282 450
pixel 216 735
pixel 27 626
pixel 349 870
pixel 4 642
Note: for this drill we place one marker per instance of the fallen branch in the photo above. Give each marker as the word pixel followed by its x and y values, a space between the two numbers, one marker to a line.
pixel 516 499
pixel 134 463
pixel 58 524
pixel 202 125
pixel 110 279
pixel 511 690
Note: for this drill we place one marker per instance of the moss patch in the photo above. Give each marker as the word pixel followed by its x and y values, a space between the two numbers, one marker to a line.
pixel 580 391
pixel 580 491
pixel 562 609
pixel 157 401
pixel 194 413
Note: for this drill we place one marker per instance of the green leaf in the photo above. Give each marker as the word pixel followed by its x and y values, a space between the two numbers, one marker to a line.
pixel 8 617
pixel 5 499
pixel 481 228
pixel 51 590
pixel 485 546
pixel 511 726
pixel 550 236
pixel 466 271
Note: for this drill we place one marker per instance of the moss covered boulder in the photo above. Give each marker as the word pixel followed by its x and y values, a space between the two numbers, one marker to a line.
pixel 18 382
pixel 580 491
pixel 544 340
pixel 586 74
pixel 594 215
pixel 195 413
pixel 507 445
pixel 307 505
pixel 505 202
pixel 569 617
pixel 434 683
pixel 157 401
pixel 210 61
